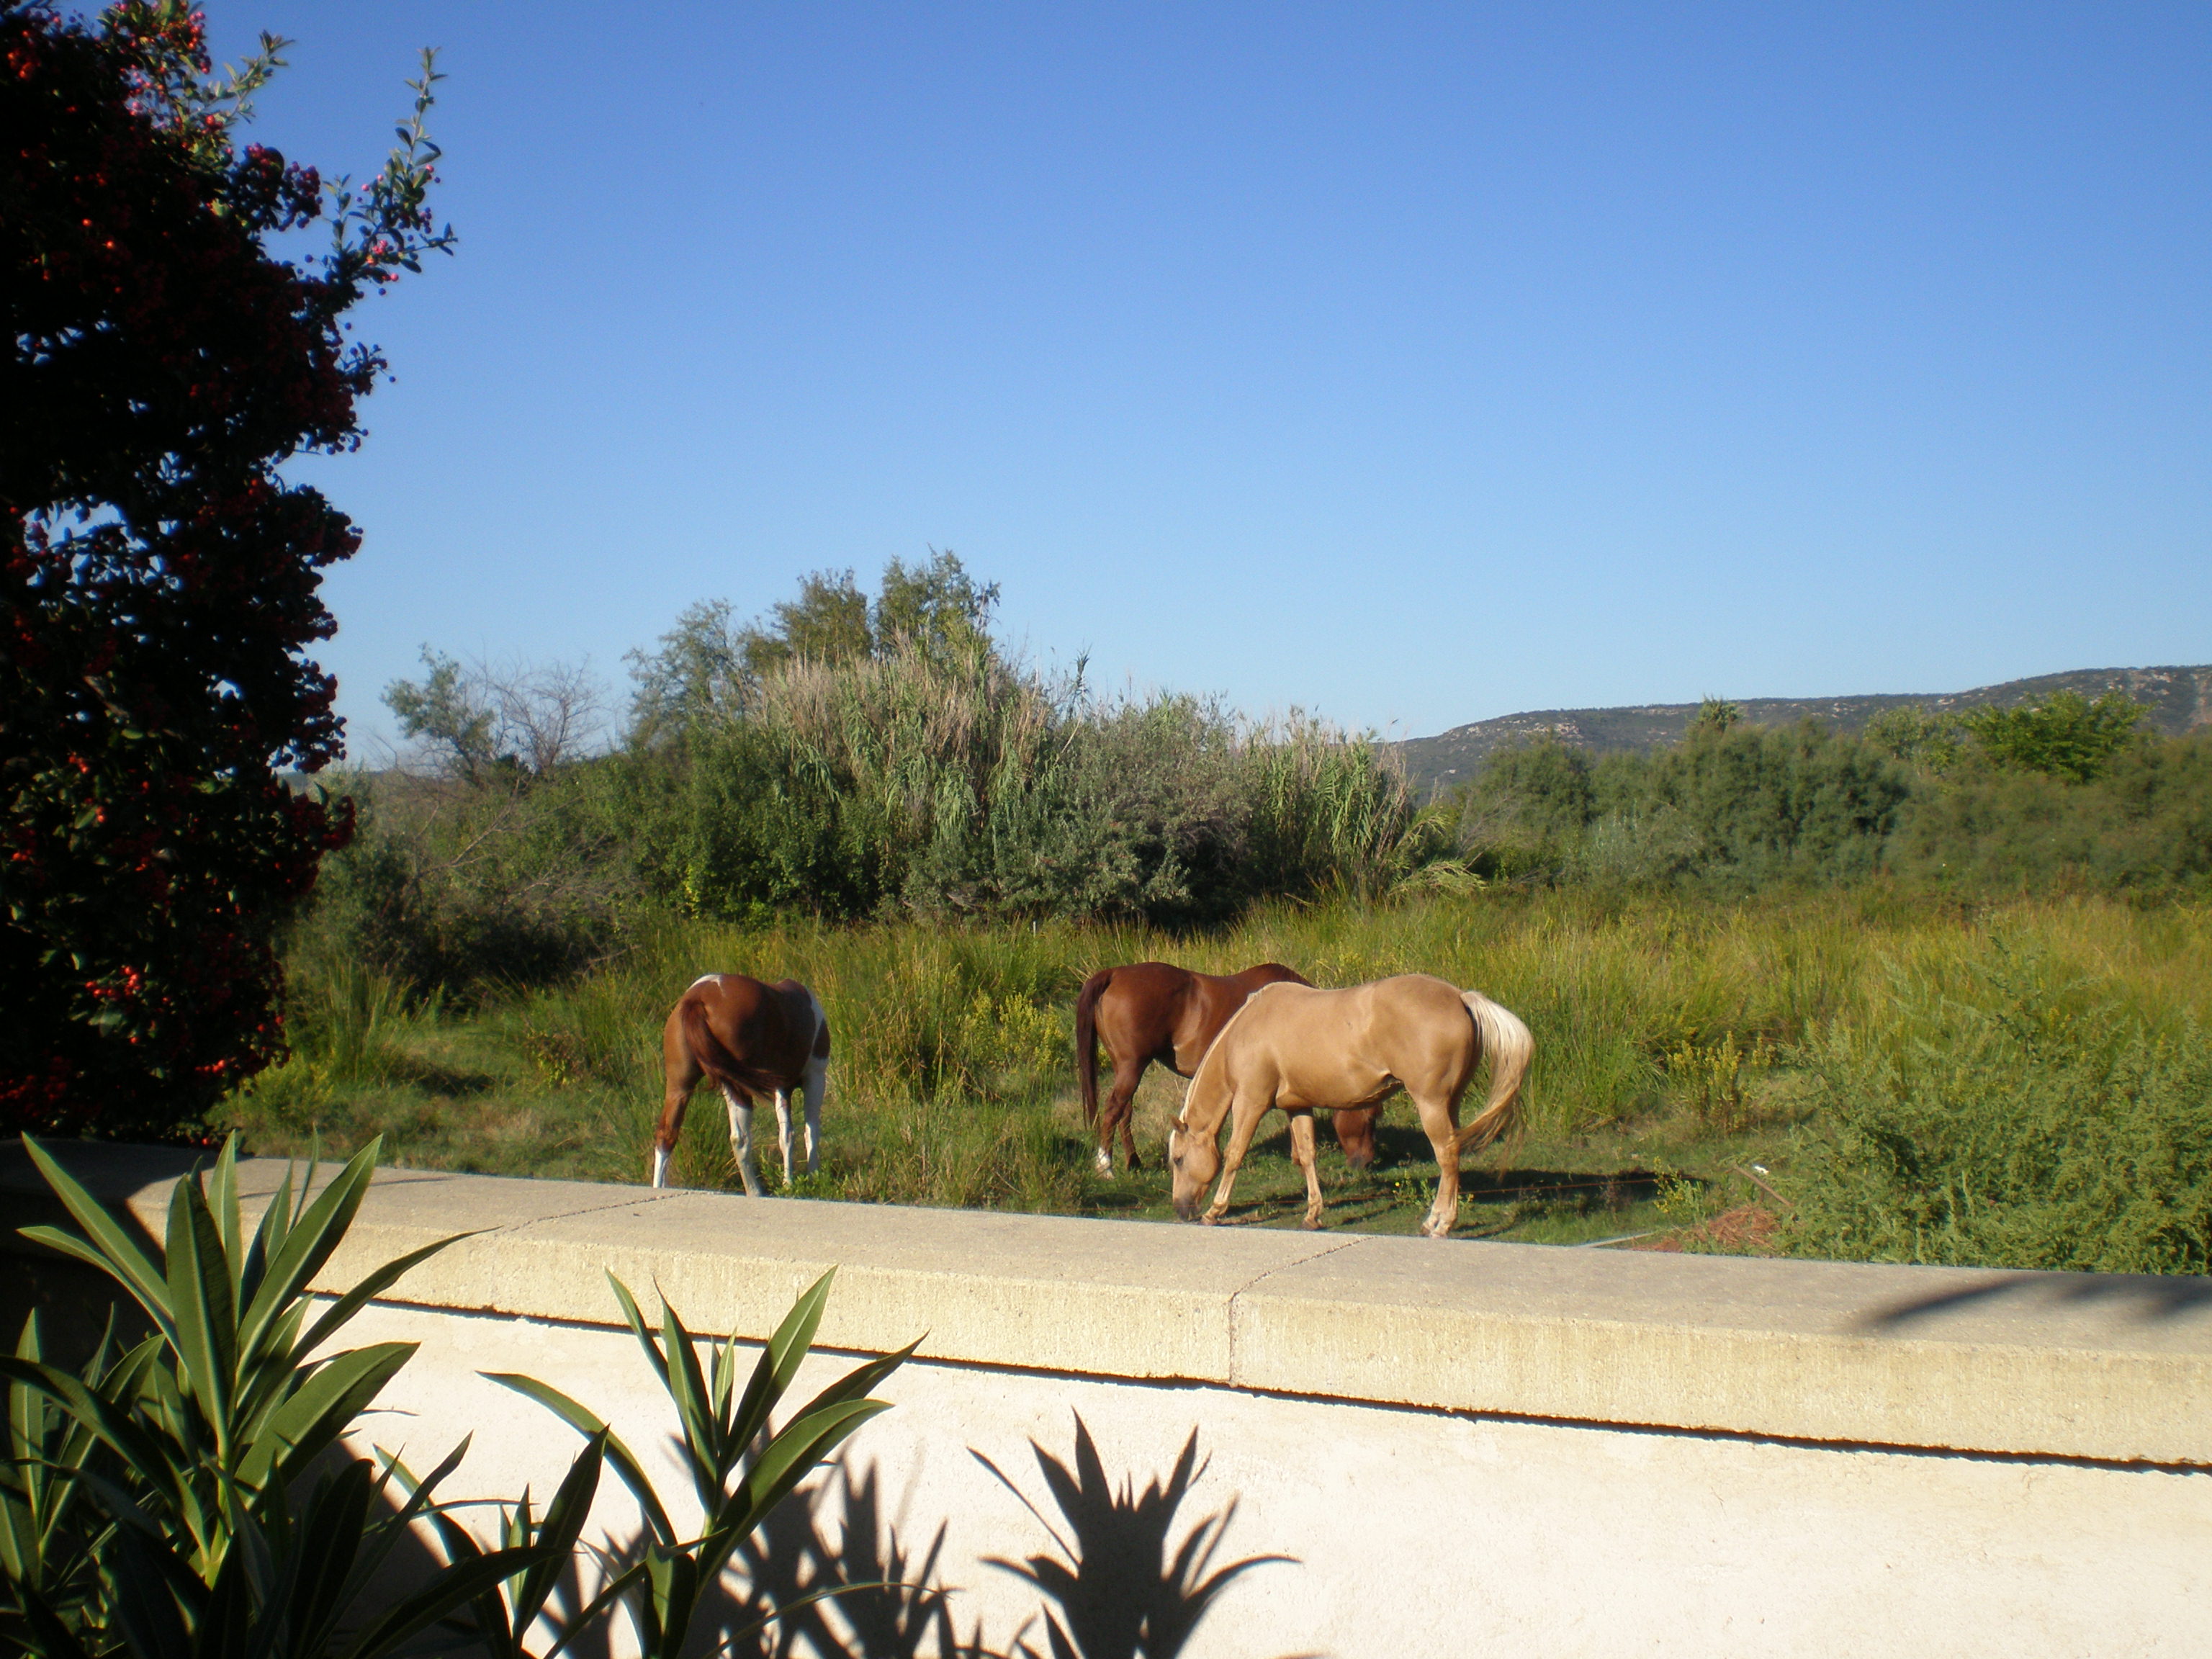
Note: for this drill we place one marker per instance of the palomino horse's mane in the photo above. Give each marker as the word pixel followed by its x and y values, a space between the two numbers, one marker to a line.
pixel 1212 1063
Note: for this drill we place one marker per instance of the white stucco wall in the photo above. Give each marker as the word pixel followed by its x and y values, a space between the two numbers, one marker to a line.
pixel 1429 1533
pixel 1468 1448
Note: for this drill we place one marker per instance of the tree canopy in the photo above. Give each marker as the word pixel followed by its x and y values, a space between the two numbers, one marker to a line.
pixel 158 574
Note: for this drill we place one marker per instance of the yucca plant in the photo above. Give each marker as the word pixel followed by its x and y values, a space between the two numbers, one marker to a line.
pixel 151 1503
pixel 740 1468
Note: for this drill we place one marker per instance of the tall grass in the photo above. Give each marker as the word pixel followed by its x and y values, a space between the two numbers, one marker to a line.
pixel 1691 1030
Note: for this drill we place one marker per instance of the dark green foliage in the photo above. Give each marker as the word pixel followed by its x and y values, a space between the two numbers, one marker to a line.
pixel 2066 737
pixel 1734 804
pixel 2021 1128
pixel 459 888
pixel 176 1515
pixel 1918 736
pixel 1525 814
pixel 1768 802
pixel 1737 806
pixel 2142 828
pixel 160 365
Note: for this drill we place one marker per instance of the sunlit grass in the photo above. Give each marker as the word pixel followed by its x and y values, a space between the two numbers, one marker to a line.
pixel 1667 1036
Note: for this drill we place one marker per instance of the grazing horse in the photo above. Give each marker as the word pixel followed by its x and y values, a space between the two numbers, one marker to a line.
pixel 1301 1049
pixel 1153 1010
pixel 752 1039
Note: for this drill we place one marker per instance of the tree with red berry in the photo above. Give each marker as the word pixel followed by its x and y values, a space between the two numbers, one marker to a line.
pixel 158 575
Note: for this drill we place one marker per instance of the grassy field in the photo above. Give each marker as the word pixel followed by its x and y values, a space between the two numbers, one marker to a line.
pixel 1674 1045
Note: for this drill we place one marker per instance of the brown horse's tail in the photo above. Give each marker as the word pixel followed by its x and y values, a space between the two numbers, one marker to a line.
pixel 1501 1036
pixel 717 1061
pixel 1086 1041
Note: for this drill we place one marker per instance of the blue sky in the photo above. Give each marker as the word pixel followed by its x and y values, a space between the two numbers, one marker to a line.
pixel 1409 365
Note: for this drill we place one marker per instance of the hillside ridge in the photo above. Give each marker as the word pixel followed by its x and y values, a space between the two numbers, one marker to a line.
pixel 2177 699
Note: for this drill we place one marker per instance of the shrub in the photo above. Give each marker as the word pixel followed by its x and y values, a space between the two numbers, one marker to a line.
pixel 2012 1126
pixel 2066 737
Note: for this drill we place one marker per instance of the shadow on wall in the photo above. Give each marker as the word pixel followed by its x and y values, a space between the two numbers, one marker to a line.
pixel 1115 1585
pixel 1115 1590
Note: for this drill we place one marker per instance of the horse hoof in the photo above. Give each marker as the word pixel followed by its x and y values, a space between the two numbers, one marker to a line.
pixel 1104 1162
pixel 1311 1223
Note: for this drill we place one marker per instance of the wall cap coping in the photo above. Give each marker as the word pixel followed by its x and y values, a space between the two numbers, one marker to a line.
pixel 2083 1365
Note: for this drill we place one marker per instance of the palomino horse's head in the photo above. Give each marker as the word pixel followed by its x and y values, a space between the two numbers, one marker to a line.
pixel 1194 1160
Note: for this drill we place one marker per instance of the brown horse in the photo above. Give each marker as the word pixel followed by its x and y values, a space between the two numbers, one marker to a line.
pixel 752 1039
pixel 1301 1049
pixel 1153 1010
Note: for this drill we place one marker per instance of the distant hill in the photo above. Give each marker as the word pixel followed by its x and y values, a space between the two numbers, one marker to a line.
pixel 2178 699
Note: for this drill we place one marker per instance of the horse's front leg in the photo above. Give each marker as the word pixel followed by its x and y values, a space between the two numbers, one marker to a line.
pixel 1301 1153
pixel 1242 1123
pixel 741 1138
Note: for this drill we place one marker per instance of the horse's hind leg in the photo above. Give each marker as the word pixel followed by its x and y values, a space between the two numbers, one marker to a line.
pixel 1301 1153
pixel 783 1131
pixel 817 1080
pixel 1117 1115
pixel 682 1078
pixel 741 1138
pixel 1439 1119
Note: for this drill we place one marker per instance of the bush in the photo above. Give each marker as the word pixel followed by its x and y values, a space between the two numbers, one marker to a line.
pixel 2067 737
pixel 459 889
pixel 1733 804
pixel 948 782
pixel 2011 1125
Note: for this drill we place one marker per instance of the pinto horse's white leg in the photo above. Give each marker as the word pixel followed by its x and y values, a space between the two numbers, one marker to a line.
pixel 783 1131
pixel 741 1140
pixel 659 1165
pixel 816 1080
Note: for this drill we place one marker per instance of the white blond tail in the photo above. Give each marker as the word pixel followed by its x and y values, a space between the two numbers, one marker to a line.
pixel 1508 1047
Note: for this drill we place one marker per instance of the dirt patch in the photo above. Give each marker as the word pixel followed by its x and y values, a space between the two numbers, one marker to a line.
pixel 1748 1230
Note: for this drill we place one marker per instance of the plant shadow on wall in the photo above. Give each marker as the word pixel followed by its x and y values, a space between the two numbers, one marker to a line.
pixel 1117 1586
pixel 1117 1589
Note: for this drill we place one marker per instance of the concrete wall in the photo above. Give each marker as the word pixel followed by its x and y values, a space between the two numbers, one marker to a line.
pixel 1466 1447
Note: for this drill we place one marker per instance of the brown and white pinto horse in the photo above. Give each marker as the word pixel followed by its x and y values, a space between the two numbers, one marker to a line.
pixel 752 1039
pixel 1154 1011
pixel 1294 1048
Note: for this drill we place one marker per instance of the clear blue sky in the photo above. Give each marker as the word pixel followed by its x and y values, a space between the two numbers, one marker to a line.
pixel 1409 365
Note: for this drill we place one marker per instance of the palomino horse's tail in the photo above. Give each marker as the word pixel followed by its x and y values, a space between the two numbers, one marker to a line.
pixel 1086 1040
pixel 716 1060
pixel 1506 1041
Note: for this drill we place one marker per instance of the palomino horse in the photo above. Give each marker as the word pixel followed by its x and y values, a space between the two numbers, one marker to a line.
pixel 1301 1049
pixel 1154 1011
pixel 751 1039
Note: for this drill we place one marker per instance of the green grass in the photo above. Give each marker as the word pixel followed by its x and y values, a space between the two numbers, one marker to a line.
pixel 1679 1044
